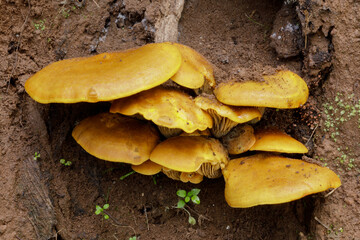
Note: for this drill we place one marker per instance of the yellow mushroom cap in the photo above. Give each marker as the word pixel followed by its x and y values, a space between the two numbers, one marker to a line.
pixel 106 76
pixel 225 117
pixel 236 114
pixel 165 107
pixel 194 177
pixel 271 179
pixel 194 69
pixel 147 168
pixel 116 138
pixel 284 89
pixel 188 153
pixel 274 140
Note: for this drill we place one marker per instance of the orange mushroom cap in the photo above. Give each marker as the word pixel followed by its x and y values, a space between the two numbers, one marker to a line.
pixel 274 140
pixel 165 107
pixel 225 117
pixel 189 153
pixel 272 179
pixel 284 89
pixel 116 138
pixel 194 69
pixel 147 168
pixel 193 177
pixel 106 76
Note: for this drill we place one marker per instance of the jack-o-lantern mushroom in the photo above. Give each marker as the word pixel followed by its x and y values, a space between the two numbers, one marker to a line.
pixel 117 138
pixel 225 117
pixel 240 139
pixel 273 179
pixel 284 89
pixel 189 154
pixel 106 76
pixel 274 140
pixel 194 69
pixel 170 109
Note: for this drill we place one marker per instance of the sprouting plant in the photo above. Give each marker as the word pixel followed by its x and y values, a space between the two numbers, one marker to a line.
pixel 36 156
pixel 40 25
pixel 126 175
pixel 132 238
pixel 65 163
pixel 185 197
pixel 100 210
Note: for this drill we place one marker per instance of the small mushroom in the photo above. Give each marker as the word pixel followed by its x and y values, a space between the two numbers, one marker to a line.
pixel 116 138
pixel 205 156
pixel 225 117
pixel 274 140
pixel 284 89
pixel 272 179
pixel 147 168
pixel 169 108
pixel 194 69
pixel 240 139
pixel 106 76
pixel 193 177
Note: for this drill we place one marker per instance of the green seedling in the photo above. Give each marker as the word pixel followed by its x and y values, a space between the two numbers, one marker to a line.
pixel 186 197
pixel 65 12
pixel 126 175
pixel 36 156
pixel 132 238
pixel 65 163
pixel 40 25
pixel 100 210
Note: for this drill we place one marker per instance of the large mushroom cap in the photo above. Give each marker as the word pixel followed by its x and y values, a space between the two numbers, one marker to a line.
pixel 116 138
pixel 271 179
pixel 284 89
pixel 225 117
pixel 105 76
pixel 165 107
pixel 194 69
pixel 189 153
pixel 274 140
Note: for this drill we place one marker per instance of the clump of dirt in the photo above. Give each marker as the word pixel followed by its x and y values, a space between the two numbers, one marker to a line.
pixel 52 201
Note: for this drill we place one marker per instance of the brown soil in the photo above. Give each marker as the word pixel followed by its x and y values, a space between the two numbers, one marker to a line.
pixel 41 199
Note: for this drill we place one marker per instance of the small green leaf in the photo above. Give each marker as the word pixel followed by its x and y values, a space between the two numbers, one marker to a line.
pixel 62 161
pixel 192 220
pixel 98 208
pixel 195 199
pixel 187 199
pixel 97 212
pixel 195 191
pixel 106 216
pixel 181 193
pixel 106 206
pixel 180 204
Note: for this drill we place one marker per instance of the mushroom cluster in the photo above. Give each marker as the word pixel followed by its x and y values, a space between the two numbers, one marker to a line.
pixel 158 123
